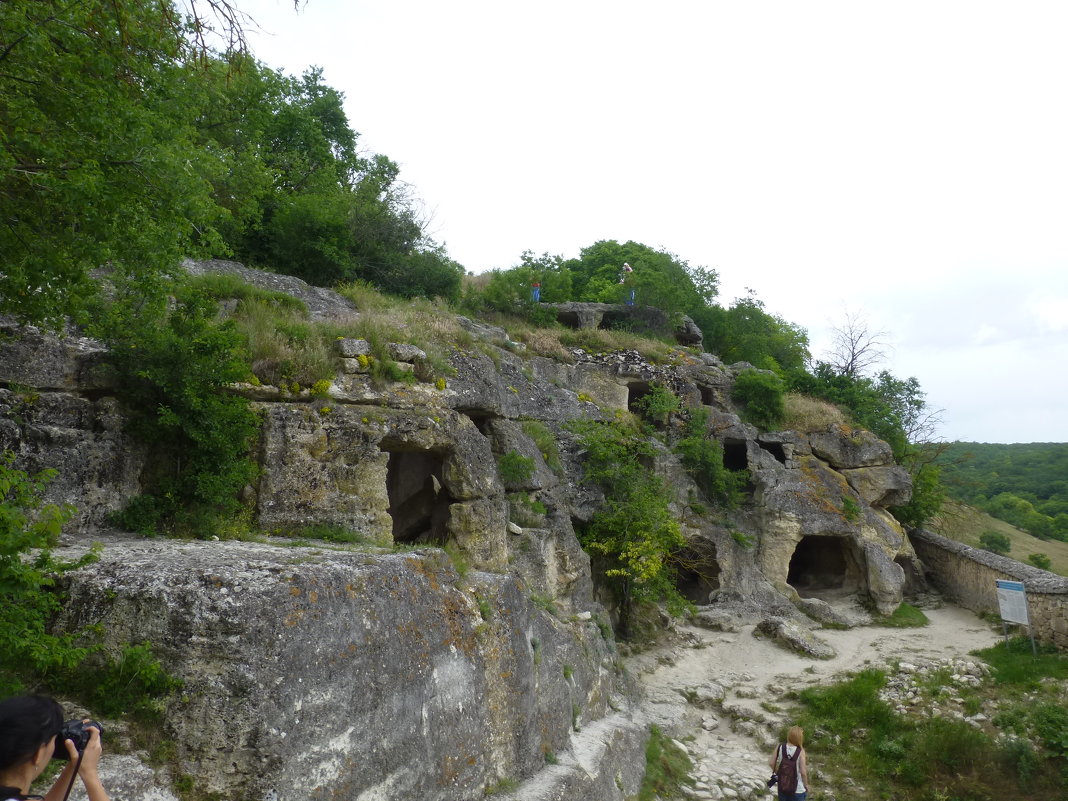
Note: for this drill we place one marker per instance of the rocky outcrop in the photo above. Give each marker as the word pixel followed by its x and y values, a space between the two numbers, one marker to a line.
pixel 310 672
pixel 642 318
pixel 360 672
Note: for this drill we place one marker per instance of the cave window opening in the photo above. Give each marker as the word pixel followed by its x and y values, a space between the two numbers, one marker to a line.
pixel 775 449
pixel 418 500
pixel 615 321
pixel 635 392
pixel 569 319
pixel 822 564
pixel 708 397
pixel 734 454
pixel 697 573
pixel 481 421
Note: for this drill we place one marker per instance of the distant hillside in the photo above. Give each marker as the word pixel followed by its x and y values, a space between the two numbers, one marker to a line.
pixel 966 524
pixel 1023 484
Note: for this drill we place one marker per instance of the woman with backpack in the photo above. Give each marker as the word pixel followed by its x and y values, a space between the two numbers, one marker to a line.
pixel 791 766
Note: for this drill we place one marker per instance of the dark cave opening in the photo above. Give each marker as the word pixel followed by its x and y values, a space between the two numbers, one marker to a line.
pixel 775 449
pixel 569 319
pixel 825 563
pixel 697 572
pixel 734 454
pixel 636 390
pixel 418 500
pixel 708 397
pixel 481 421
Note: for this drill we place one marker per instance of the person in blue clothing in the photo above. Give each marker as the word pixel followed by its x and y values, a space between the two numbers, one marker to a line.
pixel 624 277
pixel 793 753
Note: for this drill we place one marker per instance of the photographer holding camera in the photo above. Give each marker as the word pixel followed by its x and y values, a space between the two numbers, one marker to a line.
pixel 29 728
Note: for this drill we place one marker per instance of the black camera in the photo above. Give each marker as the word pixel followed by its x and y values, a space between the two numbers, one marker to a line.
pixel 78 732
pixel 773 780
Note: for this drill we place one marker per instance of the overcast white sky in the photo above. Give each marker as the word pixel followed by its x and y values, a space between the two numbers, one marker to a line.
pixel 907 161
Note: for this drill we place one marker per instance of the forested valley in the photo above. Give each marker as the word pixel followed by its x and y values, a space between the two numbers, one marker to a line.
pixel 1025 484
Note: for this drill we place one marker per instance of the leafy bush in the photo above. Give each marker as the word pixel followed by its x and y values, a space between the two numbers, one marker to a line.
pixel 27 602
pixel 173 368
pixel 658 404
pixel 761 395
pixel 994 542
pixel 634 534
pixel 515 468
pixel 1040 560
pixel 702 456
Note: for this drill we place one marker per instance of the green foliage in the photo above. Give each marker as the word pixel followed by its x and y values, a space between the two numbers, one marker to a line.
pixel 1040 560
pixel 546 443
pixel 515 468
pixel 745 332
pixel 133 684
pixel 1023 484
pixel 668 769
pixel 850 509
pixel 634 534
pixel 1015 666
pixel 511 291
pixel 761 394
pixel 29 651
pixel 123 143
pixel 905 616
pixel 994 542
pixel 27 602
pixel 659 278
pixel 702 456
pixel 658 404
pixel 173 367
pixel 98 158
pixel 928 495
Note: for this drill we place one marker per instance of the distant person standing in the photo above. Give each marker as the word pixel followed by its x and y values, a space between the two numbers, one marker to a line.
pixel 624 278
pixel 535 292
pixel 791 766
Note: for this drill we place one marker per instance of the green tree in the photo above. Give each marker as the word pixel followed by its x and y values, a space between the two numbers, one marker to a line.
pixel 1040 560
pixel 97 157
pixel 994 542
pixel 659 278
pixel 746 332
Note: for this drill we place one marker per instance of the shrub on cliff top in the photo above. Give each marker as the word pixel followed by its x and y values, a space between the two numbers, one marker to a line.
pixel 761 395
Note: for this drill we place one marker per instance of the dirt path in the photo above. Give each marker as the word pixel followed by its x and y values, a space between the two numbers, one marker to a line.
pixel 711 685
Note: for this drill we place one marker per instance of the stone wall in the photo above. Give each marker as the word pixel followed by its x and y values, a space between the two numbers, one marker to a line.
pixel 968 576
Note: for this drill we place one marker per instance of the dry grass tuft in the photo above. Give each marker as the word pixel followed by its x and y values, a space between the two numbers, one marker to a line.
pixel 806 414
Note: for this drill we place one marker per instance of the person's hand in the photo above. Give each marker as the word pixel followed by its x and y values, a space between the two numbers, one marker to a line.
pixel 93 749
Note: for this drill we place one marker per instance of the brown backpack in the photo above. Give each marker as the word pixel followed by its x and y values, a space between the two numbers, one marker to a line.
pixel 787 771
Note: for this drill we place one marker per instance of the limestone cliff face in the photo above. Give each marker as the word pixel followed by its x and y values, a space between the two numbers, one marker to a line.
pixel 369 674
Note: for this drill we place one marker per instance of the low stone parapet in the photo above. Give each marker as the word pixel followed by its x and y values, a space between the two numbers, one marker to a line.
pixel 968 575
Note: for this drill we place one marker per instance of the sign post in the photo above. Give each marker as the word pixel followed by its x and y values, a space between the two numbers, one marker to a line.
pixel 1012 600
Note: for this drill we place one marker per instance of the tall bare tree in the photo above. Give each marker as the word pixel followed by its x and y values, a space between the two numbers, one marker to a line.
pixel 857 347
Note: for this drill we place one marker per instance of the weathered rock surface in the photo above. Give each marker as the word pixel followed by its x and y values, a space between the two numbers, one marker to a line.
pixel 311 672
pixel 795 637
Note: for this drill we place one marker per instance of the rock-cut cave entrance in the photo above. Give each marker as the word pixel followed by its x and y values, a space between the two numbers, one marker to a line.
pixel 826 564
pixel 418 500
pixel 697 572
